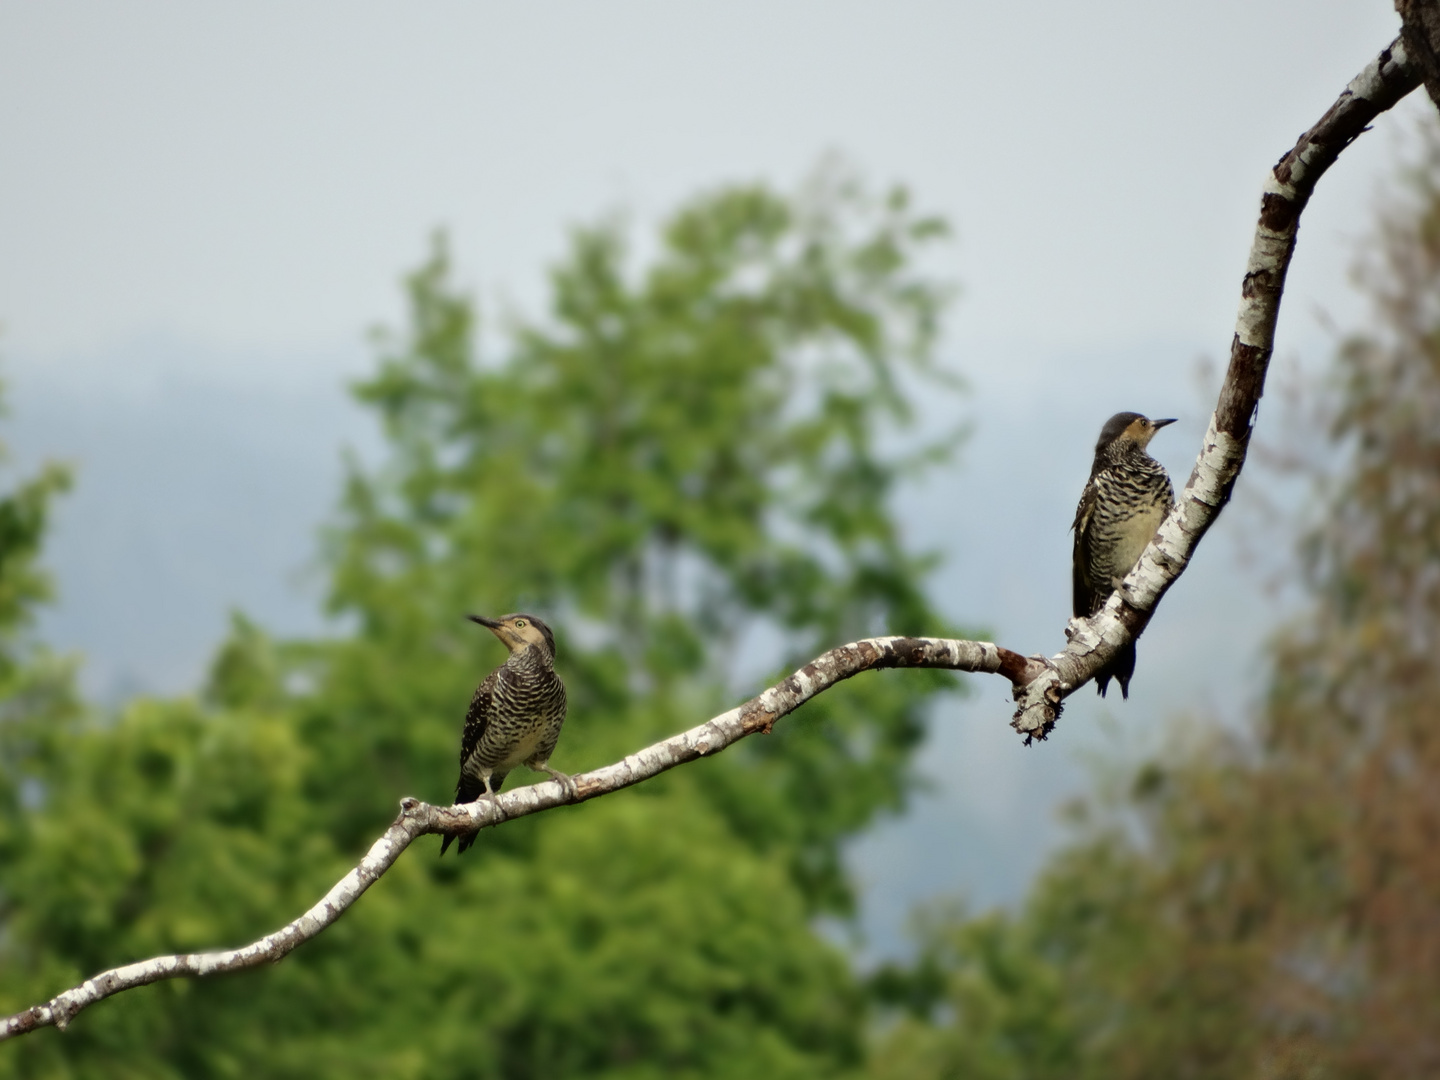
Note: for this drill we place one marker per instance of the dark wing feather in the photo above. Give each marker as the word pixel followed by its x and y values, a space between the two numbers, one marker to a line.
pixel 1087 599
pixel 477 718
pixel 1082 589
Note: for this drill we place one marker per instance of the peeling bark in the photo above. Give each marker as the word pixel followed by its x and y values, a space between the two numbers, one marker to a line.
pixel 1041 683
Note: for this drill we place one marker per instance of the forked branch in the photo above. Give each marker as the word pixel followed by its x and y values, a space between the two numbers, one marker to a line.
pixel 1041 684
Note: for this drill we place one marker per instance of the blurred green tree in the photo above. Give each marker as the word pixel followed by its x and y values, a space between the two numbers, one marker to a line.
pixel 687 468
pixel 1263 903
pixel 33 683
pixel 982 1000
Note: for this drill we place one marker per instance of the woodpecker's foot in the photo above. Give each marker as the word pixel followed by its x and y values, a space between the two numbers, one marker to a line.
pixel 493 798
pixel 565 780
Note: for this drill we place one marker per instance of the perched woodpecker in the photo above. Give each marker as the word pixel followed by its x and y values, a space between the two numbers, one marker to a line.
pixel 515 715
pixel 1127 497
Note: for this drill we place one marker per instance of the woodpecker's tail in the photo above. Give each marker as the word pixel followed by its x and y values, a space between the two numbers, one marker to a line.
pixel 1123 670
pixel 467 791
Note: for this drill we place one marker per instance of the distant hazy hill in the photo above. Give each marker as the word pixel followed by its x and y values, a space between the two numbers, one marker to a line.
pixel 200 485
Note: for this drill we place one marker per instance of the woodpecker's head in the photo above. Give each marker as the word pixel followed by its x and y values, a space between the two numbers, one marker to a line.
pixel 1126 433
pixel 518 632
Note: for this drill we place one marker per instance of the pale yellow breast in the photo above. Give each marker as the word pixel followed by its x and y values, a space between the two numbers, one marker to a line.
pixel 1131 536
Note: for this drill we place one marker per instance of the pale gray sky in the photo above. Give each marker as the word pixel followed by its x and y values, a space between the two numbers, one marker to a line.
pixel 203 208
pixel 256 175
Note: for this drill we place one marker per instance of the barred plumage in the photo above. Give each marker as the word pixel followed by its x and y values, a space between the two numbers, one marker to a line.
pixel 515 716
pixel 1127 497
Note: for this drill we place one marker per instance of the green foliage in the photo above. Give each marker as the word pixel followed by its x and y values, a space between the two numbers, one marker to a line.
pixel 1264 904
pixel 34 686
pixel 686 467
pixel 23 585
pixel 168 830
pixel 983 1002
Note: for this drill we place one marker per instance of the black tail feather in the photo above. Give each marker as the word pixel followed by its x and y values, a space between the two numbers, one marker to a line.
pixel 1122 669
pixel 467 791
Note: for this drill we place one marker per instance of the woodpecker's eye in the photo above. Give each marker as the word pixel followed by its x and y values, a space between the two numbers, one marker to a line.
pixel 519 624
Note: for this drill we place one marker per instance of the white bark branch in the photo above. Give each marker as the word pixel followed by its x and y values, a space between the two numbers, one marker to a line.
pixel 416 819
pixel 1094 642
pixel 1041 684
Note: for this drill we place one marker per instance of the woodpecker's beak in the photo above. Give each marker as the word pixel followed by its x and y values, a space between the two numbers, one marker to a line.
pixel 1156 424
pixel 508 637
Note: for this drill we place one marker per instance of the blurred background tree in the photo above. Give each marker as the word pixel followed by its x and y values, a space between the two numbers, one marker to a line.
pixel 1262 902
pixel 687 467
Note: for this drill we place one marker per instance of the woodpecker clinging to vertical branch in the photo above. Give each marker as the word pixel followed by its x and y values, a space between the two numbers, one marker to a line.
pixel 1126 499
pixel 515 715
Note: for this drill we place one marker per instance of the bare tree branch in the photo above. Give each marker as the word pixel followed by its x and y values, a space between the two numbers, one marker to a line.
pixel 417 818
pixel 1041 684
pixel 1093 642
